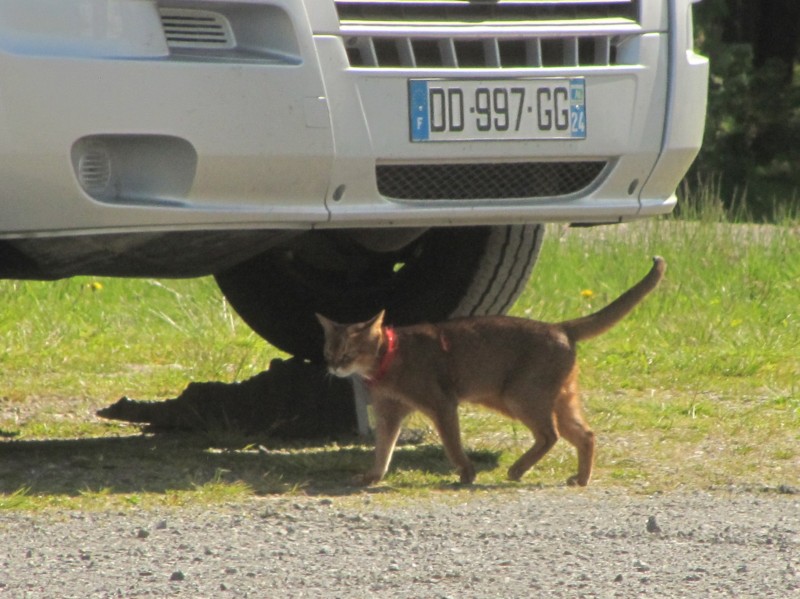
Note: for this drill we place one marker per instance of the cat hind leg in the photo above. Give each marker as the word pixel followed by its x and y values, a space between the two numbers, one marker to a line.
pixel 573 427
pixel 545 436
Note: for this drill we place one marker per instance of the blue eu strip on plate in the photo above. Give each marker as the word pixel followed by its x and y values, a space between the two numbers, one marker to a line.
pixel 418 103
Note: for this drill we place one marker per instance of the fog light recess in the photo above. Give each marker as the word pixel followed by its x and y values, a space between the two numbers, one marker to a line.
pixel 135 169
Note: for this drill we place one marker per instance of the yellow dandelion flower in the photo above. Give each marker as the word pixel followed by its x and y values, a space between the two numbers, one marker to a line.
pixel 95 286
pixel 587 294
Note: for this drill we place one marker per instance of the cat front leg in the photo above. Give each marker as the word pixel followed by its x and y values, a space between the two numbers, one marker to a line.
pixel 389 416
pixel 445 418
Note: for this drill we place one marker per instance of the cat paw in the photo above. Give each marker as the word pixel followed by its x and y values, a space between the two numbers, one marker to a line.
pixel 575 481
pixel 467 476
pixel 514 474
pixel 365 480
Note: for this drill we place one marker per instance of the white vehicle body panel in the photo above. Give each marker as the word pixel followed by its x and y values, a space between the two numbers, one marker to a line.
pixel 108 125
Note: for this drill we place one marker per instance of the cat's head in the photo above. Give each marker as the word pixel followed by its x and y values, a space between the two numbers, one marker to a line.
pixel 352 348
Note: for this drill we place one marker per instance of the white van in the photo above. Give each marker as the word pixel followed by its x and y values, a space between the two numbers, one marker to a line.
pixel 337 156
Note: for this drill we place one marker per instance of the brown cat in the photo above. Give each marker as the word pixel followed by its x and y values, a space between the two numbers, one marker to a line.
pixel 522 368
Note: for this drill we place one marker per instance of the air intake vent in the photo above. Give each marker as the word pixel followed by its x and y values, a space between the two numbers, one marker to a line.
pixel 485 181
pixel 94 169
pixel 196 29
pixel 487 53
pixel 463 12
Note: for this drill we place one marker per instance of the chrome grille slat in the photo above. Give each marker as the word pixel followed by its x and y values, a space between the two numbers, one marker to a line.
pixel 407 52
pixel 448 49
pixel 492 53
pixel 571 52
pixel 602 49
pixel 534 52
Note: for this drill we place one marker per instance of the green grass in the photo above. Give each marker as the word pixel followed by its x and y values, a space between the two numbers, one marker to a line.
pixel 697 388
pixel 86 337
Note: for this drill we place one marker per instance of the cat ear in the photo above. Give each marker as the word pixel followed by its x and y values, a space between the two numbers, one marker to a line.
pixel 327 324
pixel 377 321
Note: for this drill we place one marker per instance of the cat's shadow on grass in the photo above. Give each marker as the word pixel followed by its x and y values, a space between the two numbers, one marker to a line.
pixel 174 462
pixel 231 443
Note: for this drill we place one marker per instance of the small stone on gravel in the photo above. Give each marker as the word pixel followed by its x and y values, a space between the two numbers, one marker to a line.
pixel 641 566
pixel 652 525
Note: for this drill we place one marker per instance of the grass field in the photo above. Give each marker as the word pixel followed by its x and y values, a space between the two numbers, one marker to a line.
pixel 698 388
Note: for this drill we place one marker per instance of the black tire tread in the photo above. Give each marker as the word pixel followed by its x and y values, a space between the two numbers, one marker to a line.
pixel 504 269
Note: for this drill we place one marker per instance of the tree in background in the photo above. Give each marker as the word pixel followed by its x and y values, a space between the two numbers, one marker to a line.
pixel 752 138
pixel 776 36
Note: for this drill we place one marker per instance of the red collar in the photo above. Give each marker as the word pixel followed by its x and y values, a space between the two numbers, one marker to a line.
pixel 387 358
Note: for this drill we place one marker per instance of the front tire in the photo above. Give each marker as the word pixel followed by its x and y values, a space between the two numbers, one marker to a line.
pixel 447 272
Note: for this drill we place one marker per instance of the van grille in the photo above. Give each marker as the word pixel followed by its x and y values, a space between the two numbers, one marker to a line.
pixel 487 181
pixel 493 34
pixel 493 52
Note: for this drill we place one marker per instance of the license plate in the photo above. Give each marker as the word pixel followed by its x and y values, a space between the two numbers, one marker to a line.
pixel 517 109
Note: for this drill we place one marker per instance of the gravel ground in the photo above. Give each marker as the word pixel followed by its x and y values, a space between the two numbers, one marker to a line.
pixel 534 543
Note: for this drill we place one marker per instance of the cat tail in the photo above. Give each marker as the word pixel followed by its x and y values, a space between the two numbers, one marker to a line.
pixel 599 322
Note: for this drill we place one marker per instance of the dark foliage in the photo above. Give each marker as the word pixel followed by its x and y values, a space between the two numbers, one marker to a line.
pixel 752 137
